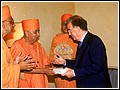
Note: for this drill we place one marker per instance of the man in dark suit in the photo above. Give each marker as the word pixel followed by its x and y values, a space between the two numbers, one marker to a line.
pixel 90 67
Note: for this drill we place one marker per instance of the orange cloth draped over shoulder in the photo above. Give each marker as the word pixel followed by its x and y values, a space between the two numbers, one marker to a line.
pixel 10 71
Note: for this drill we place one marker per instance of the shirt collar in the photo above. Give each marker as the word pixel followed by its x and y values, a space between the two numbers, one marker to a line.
pixel 83 37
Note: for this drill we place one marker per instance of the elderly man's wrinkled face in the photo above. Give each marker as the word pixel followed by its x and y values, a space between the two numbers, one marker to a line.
pixel 9 25
pixel 33 35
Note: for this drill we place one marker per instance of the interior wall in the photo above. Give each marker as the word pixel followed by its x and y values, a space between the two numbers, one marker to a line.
pixel 48 13
pixel 102 20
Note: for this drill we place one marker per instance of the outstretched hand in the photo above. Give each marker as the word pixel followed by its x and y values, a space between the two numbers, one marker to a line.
pixel 46 71
pixel 59 60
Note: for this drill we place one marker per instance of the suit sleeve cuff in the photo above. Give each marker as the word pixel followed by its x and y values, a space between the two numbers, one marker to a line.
pixel 73 73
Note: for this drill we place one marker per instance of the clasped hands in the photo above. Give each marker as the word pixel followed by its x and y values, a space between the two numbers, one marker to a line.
pixel 25 61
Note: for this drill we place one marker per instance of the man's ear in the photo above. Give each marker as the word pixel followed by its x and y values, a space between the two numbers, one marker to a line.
pixel 77 27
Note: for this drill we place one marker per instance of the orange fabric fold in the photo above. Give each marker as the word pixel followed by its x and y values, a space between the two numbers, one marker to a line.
pixel 10 71
pixel 61 82
pixel 31 24
pixel 5 12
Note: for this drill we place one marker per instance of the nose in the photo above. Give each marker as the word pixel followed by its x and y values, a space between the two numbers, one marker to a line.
pixel 69 33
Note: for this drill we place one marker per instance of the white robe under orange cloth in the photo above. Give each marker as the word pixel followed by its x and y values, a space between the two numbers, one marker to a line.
pixel 38 54
pixel 10 71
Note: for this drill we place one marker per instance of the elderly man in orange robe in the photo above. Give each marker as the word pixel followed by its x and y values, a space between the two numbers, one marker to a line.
pixel 11 71
pixel 64 45
pixel 29 44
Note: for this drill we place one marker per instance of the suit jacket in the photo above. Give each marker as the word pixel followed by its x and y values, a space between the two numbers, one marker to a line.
pixel 90 66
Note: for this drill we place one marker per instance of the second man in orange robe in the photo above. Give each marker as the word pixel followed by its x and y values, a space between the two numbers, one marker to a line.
pixel 29 44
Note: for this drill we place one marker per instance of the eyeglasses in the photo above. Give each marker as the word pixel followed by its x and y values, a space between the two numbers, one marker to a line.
pixel 70 30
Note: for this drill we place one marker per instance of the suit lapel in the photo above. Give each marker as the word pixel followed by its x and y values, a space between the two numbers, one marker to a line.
pixel 81 50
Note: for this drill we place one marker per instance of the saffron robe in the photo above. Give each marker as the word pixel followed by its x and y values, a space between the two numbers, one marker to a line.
pixel 59 39
pixel 39 55
pixel 10 71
